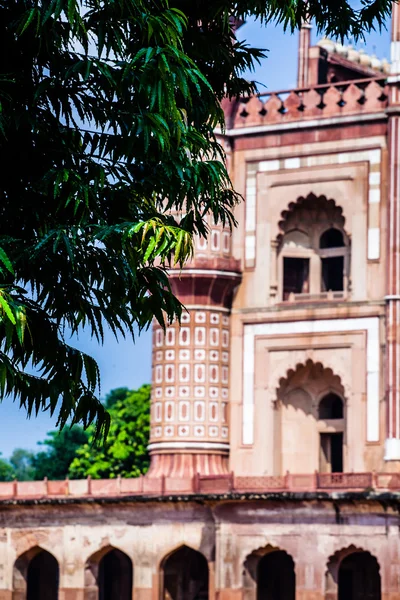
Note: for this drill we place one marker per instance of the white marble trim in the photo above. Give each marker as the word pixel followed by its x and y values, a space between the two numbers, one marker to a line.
pixel 368 324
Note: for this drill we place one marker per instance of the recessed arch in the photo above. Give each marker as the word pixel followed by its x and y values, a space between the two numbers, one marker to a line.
pixel 310 423
pixel 270 572
pixel 353 574
pixel 311 210
pixel 185 575
pixel 36 574
pixel 109 574
pixel 313 257
pixel 300 372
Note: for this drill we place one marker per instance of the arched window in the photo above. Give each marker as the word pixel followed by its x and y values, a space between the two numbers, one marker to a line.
pixel 331 448
pixel 331 407
pixel 314 251
pixel 331 238
pixel 359 577
pixel 185 574
pixel 276 578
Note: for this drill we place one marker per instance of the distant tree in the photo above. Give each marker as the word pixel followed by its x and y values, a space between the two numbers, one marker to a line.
pixel 62 447
pixel 6 471
pixel 21 461
pixel 125 451
pixel 115 395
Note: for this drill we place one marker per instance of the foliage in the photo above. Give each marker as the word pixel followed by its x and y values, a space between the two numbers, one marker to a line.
pixel 22 463
pixel 125 451
pixel 115 395
pixel 6 471
pixel 62 447
pixel 107 117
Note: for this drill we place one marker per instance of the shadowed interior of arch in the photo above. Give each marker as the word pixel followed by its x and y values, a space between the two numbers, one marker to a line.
pixel 276 578
pixel 359 577
pixel 36 575
pixel 115 576
pixel 109 575
pixel 185 574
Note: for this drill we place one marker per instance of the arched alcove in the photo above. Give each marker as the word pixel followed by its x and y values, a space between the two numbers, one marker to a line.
pixel 310 421
pixel 276 579
pixel 269 574
pixel 353 574
pixel 36 576
pixel 314 250
pixel 109 575
pixel 185 575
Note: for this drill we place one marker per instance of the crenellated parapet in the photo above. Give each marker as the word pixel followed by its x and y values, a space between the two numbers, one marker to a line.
pixel 362 96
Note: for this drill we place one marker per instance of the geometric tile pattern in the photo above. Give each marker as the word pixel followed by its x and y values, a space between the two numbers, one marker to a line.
pixel 190 378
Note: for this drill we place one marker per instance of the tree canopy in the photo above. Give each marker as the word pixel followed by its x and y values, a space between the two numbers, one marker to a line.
pixel 72 452
pixel 107 117
pixel 125 451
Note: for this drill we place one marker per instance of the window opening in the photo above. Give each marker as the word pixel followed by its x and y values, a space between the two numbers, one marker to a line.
pixel 332 274
pixel 295 276
pixel 331 238
pixel 331 453
pixel 330 407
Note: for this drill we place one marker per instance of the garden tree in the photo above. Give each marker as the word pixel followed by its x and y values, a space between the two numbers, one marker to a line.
pixel 125 451
pixel 62 447
pixel 6 471
pixel 114 395
pixel 21 462
pixel 107 117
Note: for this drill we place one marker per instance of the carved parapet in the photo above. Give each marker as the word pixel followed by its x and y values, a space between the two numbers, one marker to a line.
pixel 320 101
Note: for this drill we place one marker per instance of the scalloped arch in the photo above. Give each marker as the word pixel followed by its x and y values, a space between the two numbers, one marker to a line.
pixel 334 561
pixel 312 208
pixel 316 370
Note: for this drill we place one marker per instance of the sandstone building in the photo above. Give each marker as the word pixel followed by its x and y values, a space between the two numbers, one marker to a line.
pixel 275 436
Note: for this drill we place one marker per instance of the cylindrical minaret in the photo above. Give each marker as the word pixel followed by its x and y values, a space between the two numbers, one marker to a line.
pixel 190 387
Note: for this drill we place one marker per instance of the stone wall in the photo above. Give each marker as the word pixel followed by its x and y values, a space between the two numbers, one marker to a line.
pixel 233 534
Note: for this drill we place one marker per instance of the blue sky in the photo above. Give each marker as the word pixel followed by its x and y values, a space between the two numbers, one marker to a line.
pixel 127 363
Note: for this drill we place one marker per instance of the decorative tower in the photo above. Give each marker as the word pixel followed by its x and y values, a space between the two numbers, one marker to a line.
pixel 190 391
pixel 392 447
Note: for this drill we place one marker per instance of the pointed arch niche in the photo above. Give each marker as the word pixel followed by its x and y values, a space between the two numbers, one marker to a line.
pixel 184 575
pixel 36 574
pixel 313 251
pixel 310 421
pixel 108 575
pixel 269 574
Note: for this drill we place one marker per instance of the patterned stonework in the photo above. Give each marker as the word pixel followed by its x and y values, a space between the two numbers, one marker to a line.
pixel 190 379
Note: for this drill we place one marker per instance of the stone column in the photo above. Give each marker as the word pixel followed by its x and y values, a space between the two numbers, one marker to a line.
pixel 392 446
pixel 190 395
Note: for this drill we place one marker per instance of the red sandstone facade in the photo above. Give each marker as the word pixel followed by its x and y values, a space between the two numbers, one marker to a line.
pixel 275 424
